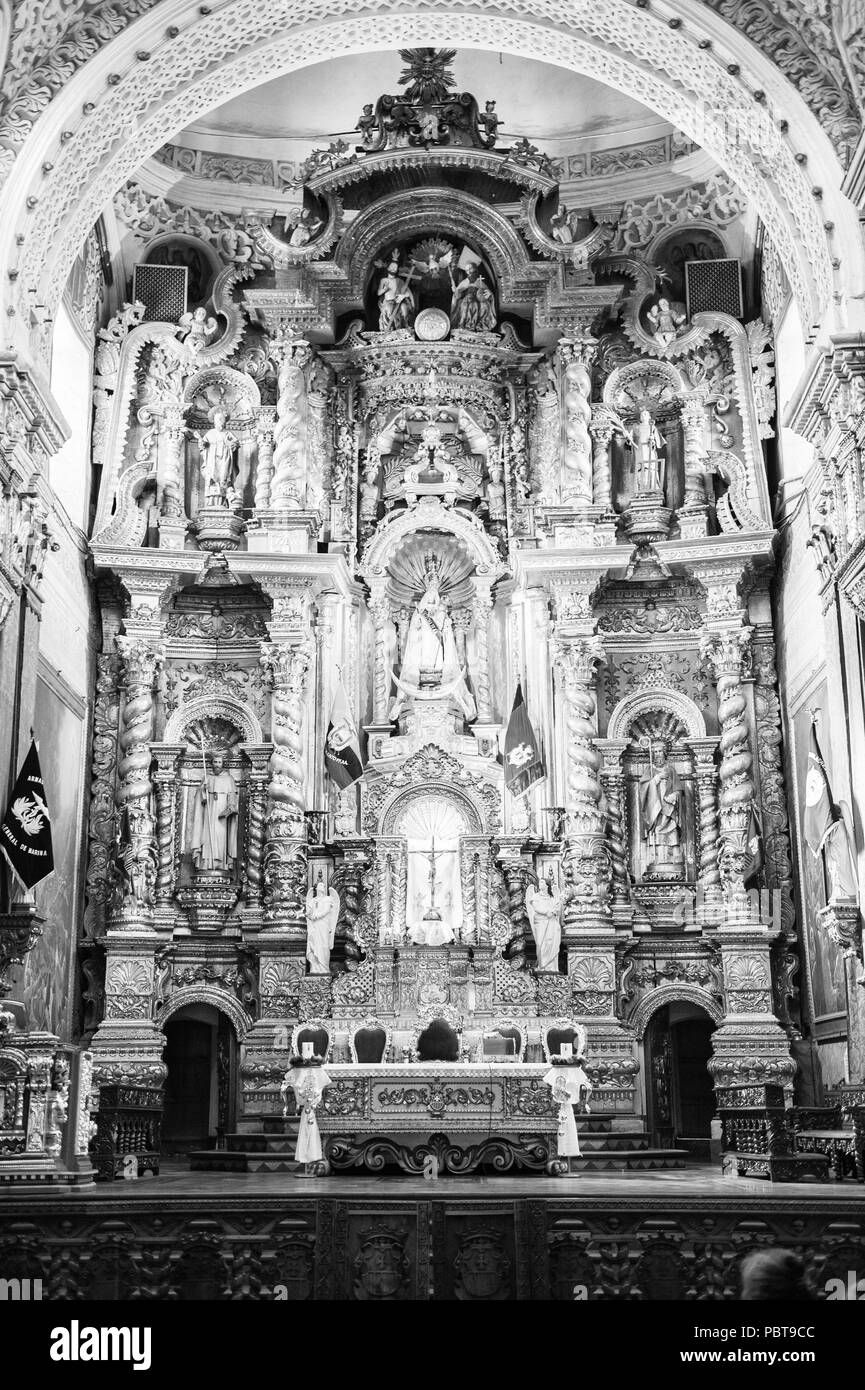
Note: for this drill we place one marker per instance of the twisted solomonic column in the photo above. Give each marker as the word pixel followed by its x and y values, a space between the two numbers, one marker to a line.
pixel 614 788
pixel 577 395
pixel 723 651
pixel 379 609
pixel 602 482
pixel 141 660
pixel 284 861
pixel 576 659
pixel 708 873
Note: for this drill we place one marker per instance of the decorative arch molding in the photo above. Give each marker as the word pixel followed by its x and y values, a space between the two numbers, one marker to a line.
pixel 246 388
pixel 120 109
pixel 430 516
pixel 207 706
pixel 459 215
pixel 645 701
pixel 431 770
pixel 674 994
pixel 402 800
pixel 218 999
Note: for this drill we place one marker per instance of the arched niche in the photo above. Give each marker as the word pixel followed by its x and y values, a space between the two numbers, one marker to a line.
pixel 213 707
pixel 430 516
pixel 662 995
pixel 217 999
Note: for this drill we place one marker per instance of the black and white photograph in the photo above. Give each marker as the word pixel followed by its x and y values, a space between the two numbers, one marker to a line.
pixel 432 673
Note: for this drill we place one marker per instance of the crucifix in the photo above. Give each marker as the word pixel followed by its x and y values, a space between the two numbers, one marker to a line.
pixel 431 915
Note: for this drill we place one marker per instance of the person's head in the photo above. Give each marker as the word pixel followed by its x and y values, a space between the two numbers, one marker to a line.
pixel 645 417
pixel 367 110
pixel 218 762
pixel 659 753
pixel 319 887
pixel 769 1275
pixel 472 271
pixel 491 106
pixel 219 419
pixel 663 304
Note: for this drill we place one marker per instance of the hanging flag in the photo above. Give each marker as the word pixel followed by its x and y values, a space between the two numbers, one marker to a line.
pixel 821 813
pixel 25 831
pixel 757 858
pixel 524 764
pixel 342 756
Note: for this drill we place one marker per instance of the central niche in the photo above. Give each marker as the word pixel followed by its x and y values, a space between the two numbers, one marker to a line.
pixel 433 828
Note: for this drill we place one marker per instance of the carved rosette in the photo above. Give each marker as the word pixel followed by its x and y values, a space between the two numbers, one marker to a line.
pixel 587 864
pixel 576 358
pixel 284 865
pixel 723 652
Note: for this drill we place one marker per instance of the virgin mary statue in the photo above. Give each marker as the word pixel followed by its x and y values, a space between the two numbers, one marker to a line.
pixel 431 662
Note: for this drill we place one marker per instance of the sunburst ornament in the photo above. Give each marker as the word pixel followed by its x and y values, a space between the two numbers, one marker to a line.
pixel 427 77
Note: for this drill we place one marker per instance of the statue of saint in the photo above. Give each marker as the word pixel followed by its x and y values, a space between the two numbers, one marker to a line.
pixel 649 467
pixel 473 305
pixel 431 657
pixel 396 306
pixel 322 910
pixel 544 908
pixel 660 806
pixel 213 840
pixel 666 320
pixel 218 447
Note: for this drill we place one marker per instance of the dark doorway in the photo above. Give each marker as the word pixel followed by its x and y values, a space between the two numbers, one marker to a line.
pixel 201 1058
pixel 680 1094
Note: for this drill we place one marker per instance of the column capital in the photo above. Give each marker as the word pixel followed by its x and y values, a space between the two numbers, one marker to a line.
pixel 724 651
pixel 577 657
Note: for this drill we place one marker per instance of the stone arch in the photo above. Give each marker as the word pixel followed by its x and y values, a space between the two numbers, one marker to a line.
pixel 671 994
pixel 389 535
pixel 206 994
pixel 130 97
pixel 220 707
pixel 644 701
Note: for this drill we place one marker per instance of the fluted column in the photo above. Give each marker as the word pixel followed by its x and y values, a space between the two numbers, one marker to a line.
pixel 723 652
pixel 284 865
pixel 602 433
pixel 706 774
pixel 264 428
pixel 576 356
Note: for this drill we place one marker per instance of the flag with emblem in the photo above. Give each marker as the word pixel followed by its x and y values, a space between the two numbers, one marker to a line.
pixel 25 831
pixel 821 813
pixel 524 764
pixel 342 755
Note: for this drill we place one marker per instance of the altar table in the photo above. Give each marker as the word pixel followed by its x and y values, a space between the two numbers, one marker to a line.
pixel 462 1115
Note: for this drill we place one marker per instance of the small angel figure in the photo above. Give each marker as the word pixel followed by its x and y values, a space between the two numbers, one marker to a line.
pixel 666 320
pixel 366 124
pixel 490 121
pixel 197 328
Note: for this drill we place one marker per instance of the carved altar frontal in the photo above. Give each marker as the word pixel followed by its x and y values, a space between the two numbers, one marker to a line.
pixel 465 1115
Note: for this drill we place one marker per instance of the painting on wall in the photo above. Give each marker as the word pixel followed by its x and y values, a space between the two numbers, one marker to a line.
pixel 59 732
pixel 825 960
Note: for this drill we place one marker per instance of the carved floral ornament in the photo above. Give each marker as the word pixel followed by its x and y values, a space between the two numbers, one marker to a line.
pixel 243 44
